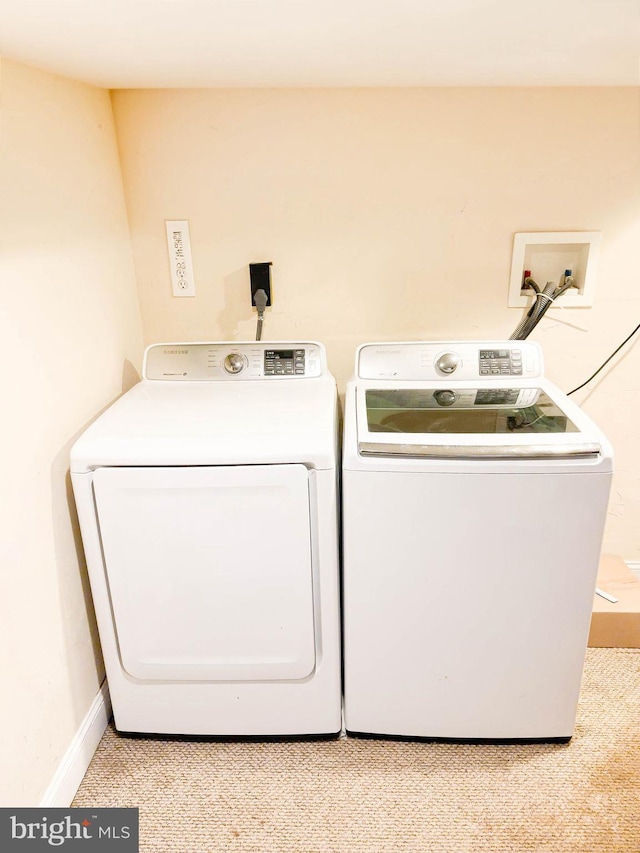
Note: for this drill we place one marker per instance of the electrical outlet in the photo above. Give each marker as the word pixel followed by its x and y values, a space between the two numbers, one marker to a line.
pixel 260 275
pixel 179 245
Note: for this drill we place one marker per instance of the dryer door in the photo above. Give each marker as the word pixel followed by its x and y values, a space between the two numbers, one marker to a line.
pixel 209 570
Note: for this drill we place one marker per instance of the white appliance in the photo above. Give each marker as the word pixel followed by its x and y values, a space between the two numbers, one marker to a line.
pixel 474 501
pixel 207 504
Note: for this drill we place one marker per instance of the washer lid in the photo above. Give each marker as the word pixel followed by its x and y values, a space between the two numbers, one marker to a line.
pixel 472 421
pixel 267 421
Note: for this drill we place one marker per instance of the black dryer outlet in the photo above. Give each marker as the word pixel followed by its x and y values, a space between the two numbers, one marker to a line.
pixel 260 275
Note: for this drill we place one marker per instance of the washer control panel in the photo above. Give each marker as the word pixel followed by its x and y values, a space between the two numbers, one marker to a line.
pixel 454 361
pixel 180 362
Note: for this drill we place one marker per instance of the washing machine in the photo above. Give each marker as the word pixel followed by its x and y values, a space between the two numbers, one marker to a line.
pixel 207 504
pixel 474 502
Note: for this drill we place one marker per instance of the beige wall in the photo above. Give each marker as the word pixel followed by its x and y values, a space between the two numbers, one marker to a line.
pixel 387 214
pixel 69 324
pixel 390 214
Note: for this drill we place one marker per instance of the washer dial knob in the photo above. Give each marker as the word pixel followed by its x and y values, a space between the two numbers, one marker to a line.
pixel 234 363
pixel 448 362
pixel 445 398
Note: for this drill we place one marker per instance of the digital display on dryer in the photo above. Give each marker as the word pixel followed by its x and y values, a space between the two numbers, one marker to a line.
pixel 278 353
pixel 284 362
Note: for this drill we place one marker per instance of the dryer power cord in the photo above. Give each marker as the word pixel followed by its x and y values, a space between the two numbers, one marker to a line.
pixel 260 301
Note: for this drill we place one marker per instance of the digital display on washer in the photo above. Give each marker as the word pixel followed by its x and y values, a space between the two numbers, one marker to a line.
pixel 500 362
pixel 494 353
pixel 428 410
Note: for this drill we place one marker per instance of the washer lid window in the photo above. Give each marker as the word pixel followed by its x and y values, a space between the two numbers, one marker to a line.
pixel 485 422
pixel 464 411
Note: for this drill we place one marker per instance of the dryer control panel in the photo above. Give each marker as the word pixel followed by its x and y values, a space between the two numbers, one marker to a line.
pixel 455 361
pixel 233 361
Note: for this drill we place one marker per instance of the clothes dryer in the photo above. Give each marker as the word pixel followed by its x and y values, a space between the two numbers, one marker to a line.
pixel 474 502
pixel 207 505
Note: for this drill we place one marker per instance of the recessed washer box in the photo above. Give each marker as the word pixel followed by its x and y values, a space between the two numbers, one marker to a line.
pixel 547 255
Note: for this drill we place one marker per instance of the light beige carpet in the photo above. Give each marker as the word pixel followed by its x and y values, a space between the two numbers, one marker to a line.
pixel 372 796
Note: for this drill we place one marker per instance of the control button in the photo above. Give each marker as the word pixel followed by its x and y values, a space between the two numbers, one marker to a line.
pixel 494 370
pixel 448 362
pixel 234 363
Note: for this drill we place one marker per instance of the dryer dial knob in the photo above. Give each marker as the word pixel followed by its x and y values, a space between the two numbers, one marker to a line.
pixel 445 398
pixel 234 363
pixel 448 362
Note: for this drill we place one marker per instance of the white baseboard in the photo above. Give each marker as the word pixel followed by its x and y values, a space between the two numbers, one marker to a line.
pixel 634 565
pixel 66 781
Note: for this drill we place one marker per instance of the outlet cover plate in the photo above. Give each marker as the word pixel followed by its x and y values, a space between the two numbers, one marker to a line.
pixel 180 263
pixel 548 254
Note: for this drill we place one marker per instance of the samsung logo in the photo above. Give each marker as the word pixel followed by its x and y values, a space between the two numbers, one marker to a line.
pixel 387 352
